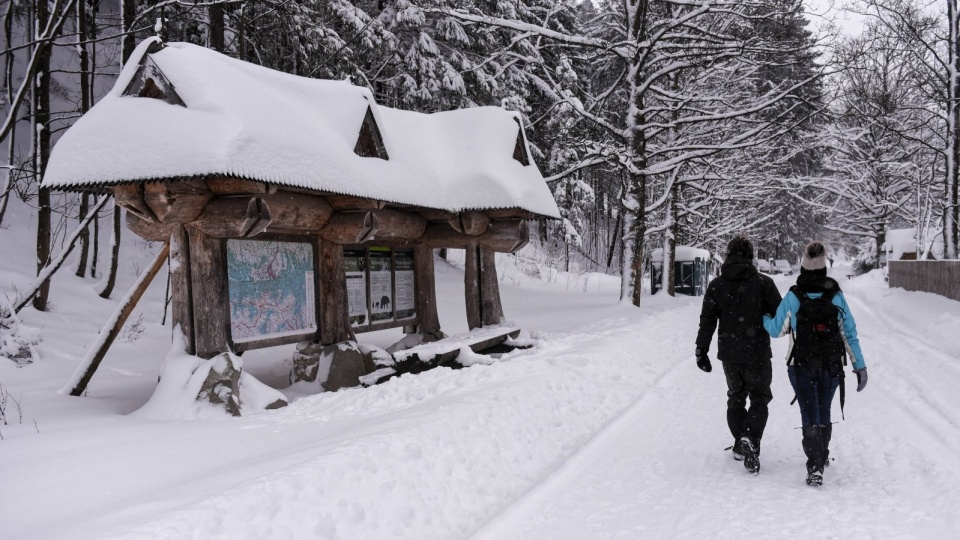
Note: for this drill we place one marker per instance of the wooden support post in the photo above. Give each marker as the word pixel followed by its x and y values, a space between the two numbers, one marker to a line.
pixel 111 330
pixel 332 288
pixel 491 310
pixel 181 286
pixel 426 288
pixel 471 285
pixel 211 300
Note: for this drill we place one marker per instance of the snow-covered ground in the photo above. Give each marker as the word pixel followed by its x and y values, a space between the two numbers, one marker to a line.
pixel 605 430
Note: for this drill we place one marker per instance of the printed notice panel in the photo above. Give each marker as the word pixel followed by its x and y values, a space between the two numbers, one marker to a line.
pixel 271 288
pixel 355 264
pixel 406 299
pixel 381 285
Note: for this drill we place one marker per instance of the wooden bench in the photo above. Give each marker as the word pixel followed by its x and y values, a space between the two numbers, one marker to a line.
pixel 443 352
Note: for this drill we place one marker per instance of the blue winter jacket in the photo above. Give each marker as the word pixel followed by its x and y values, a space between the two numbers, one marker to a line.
pixel 789 306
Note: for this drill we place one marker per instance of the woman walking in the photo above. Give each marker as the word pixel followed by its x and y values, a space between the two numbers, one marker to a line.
pixel 823 328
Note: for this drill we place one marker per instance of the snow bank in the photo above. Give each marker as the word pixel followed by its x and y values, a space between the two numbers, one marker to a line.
pixel 182 378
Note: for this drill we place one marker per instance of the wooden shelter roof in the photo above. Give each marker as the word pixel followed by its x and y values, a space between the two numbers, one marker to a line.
pixel 181 111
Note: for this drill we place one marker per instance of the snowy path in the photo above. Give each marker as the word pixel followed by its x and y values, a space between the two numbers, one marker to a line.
pixel 658 470
pixel 605 430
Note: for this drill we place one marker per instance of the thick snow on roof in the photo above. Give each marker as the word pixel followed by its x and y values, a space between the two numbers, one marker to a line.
pixel 684 253
pixel 256 123
pixel 900 241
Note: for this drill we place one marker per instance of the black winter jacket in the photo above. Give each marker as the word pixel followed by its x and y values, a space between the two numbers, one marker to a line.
pixel 738 299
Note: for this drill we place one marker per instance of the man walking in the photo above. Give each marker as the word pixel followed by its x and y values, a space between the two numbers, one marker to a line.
pixel 738 300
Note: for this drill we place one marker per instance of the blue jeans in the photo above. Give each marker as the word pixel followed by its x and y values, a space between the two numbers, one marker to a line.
pixel 815 390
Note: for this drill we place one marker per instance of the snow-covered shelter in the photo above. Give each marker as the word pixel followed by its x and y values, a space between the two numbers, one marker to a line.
pixel 691 270
pixel 298 209
pixel 903 245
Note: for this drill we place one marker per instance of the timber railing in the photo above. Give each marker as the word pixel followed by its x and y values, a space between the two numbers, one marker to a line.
pixel 938 277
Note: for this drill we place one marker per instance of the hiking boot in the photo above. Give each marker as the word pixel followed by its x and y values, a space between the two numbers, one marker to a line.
pixel 815 477
pixel 737 451
pixel 751 461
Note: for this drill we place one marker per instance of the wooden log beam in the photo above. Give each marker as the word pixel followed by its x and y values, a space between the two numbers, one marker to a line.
pixel 504 235
pixel 491 310
pixel 179 201
pixel 131 197
pixel 430 214
pixel 211 300
pixel 153 231
pixel 88 366
pixel 470 223
pixel 235 217
pixel 296 212
pixel 228 185
pixel 510 213
pixel 343 203
pixel 373 225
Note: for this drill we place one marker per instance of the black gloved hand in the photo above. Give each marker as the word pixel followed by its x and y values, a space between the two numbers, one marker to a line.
pixel 861 378
pixel 703 361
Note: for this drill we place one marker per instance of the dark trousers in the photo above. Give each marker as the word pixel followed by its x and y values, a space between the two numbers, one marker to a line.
pixel 750 380
pixel 815 390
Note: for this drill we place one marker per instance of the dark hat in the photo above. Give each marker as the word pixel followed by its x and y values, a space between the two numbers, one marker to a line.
pixel 814 257
pixel 740 246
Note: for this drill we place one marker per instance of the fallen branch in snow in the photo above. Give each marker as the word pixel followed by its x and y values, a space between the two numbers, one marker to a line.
pixel 81 377
pixel 55 264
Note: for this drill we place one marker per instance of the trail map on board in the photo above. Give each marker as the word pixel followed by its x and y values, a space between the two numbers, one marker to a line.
pixel 271 289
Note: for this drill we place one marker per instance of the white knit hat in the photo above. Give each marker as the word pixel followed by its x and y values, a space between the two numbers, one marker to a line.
pixel 814 256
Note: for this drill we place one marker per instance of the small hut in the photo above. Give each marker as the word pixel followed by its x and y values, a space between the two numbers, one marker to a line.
pixel 691 268
pixel 299 210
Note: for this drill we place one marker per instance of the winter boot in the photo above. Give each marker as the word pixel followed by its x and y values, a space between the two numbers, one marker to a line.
pixel 826 432
pixel 737 450
pixel 815 477
pixel 751 461
pixel 813 448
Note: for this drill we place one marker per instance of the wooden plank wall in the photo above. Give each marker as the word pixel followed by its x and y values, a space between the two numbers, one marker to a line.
pixel 938 277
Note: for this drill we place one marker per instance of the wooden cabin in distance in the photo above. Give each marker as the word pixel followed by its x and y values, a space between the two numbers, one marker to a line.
pixel 298 209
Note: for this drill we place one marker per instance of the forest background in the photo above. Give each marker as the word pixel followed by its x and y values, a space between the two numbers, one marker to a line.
pixel 657 123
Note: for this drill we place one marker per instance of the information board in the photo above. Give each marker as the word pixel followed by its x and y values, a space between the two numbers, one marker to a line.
pixel 355 264
pixel 406 299
pixel 271 288
pixel 381 287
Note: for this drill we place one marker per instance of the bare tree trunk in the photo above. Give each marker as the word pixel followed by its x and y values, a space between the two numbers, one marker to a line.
pixel 7 185
pixel 129 11
pixel 95 251
pixel 216 27
pixel 41 150
pixel 84 107
pixel 951 218
pixel 114 252
pixel 669 274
